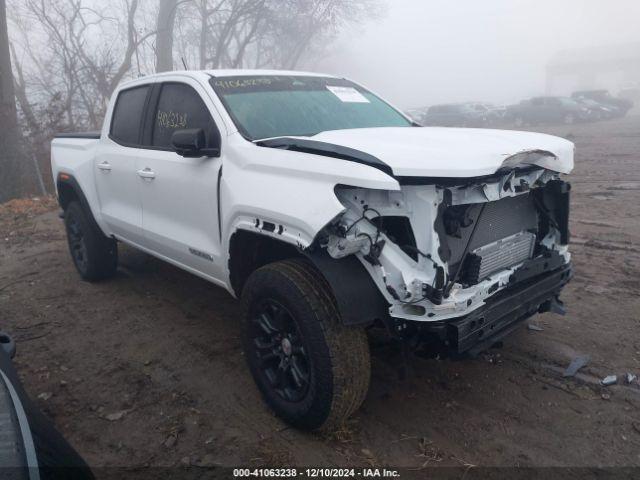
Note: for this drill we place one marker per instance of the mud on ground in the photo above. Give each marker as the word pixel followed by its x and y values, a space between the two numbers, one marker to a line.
pixel 146 369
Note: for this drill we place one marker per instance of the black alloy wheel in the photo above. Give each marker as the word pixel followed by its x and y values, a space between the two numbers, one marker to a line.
pixel 94 255
pixel 312 370
pixel 280 349
pixel 77 244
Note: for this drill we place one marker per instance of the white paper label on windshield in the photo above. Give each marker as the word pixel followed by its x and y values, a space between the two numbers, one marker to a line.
pixel 348 94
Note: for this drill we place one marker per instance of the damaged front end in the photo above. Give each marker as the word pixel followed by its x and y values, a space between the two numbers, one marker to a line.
pixel 460 261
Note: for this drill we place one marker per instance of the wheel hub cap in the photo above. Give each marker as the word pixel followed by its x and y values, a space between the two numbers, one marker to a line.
pixel 280 351
pixel 286 346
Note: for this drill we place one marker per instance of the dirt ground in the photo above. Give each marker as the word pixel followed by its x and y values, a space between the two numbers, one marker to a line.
pixel 146 369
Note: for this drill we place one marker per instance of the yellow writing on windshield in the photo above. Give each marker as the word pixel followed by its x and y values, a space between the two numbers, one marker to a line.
pixel 243 83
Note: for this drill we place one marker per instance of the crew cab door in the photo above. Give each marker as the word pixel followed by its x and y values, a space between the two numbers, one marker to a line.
pixel 115 165
pixel 180 195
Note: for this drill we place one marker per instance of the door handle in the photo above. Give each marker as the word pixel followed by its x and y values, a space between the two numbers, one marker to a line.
pixel 105 166
pixel 147 174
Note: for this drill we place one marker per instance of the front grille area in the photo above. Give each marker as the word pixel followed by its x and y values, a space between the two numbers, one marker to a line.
pixel 505 236
pixel 497 256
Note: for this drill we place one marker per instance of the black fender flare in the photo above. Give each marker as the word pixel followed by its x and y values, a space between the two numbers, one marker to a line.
pixel 67 180
pixel 359 300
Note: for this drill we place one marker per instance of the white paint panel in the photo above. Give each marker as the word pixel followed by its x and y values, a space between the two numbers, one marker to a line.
pixel 449 152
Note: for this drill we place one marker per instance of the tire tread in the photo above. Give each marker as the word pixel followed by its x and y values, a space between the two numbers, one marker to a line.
pixel 102 250
pixel 348 346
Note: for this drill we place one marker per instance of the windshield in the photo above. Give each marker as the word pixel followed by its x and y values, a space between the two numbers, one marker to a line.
pixel 276 106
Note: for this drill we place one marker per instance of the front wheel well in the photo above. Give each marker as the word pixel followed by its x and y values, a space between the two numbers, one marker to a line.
pixel 249 251
pixel 357 297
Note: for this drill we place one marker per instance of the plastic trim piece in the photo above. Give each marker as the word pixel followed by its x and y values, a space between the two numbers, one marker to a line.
pixel 358 298
pixel 327 150
pixel 71 181
pixel 483 327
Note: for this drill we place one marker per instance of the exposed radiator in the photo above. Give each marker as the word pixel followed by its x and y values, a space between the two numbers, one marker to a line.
pixel 500 221
pixel 496 256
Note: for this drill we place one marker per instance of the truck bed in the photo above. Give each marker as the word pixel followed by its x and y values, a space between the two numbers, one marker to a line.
pixel 84 135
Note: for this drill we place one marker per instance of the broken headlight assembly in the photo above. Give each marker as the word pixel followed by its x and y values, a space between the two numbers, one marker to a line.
pixel 439 250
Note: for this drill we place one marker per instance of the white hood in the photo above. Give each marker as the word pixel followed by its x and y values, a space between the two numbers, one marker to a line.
pixel 453 152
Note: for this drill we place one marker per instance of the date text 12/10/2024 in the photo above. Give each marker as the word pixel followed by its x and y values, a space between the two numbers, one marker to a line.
pixel 315 473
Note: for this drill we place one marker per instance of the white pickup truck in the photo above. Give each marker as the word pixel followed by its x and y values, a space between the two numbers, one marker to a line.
pixel 328 212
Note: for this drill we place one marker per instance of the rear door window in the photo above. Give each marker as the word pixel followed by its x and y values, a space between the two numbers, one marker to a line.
pixel 126 123
pixel 180 107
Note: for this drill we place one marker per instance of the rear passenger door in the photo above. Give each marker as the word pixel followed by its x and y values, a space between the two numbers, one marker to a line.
pixel 115 165
pixel 180 195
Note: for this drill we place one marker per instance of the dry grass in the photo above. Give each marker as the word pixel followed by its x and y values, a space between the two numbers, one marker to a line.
pixel 27 206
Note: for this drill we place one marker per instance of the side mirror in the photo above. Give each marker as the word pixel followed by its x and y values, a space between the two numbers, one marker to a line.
pixel 7 344
pixel 193 143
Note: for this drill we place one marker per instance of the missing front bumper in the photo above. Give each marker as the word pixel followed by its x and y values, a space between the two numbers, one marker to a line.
pixel 502 313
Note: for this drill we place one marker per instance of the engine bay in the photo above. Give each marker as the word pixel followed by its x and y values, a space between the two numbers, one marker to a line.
pixel 438 250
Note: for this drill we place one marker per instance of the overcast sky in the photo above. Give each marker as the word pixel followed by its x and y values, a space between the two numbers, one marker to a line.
pixel 429 51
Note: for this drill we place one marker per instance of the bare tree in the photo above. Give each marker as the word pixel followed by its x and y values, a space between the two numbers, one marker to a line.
pixel 10 159
pixel 69 55
pixel 164 36
pixel 263 33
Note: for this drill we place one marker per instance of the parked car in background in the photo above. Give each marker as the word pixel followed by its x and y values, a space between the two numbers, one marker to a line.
pixel 493 113
pixel 630 92
pixel 548 110
pixel 599 111
pixel 416 114
pixel 604 97
pixel 455 115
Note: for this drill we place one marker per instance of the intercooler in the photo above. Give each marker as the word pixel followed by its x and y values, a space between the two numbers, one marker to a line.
pixel 497 256
pixel 504 236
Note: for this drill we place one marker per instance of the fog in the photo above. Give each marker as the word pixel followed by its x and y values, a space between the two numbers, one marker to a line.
pixel 424 52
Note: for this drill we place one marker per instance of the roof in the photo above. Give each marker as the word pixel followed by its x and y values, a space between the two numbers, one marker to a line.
pixel 247 72
pixel 220 73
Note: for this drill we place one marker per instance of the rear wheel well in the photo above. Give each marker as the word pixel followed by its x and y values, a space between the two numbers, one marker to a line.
pixel 249 251
pixel 66 195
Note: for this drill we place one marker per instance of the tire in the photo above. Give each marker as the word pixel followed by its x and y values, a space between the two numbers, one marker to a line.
pixel 291 321
pixel 94 255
